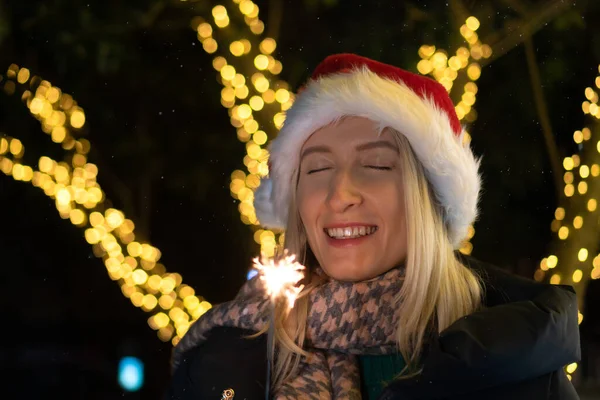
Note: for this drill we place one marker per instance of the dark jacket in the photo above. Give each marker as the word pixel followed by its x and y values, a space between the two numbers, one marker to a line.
pixel 514 349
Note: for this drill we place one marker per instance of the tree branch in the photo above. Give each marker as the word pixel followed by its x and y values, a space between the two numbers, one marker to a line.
pixel 542 110
pixel 515 34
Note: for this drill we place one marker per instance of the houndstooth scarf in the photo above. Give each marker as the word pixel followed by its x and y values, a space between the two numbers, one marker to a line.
pixel 345 319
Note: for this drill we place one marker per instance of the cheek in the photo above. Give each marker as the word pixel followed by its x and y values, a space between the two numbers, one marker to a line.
pixel 390 203
pixel 307 201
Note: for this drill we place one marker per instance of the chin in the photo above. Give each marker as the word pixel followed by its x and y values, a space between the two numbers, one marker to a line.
pixel 345 274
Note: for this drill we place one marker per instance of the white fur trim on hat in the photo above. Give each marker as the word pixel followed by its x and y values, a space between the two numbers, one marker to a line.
pixel 450 167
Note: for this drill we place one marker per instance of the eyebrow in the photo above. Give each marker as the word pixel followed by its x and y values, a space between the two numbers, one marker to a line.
pixel 381 144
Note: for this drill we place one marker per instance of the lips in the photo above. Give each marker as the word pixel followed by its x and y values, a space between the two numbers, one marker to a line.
pixel 349 234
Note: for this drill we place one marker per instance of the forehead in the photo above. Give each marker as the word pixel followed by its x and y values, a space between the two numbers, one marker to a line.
pixel 348 132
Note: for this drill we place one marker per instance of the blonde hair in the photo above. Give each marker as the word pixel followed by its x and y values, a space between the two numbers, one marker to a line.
pixel 437 289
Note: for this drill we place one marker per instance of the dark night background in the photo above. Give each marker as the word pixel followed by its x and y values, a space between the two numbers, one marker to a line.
pixel 165 150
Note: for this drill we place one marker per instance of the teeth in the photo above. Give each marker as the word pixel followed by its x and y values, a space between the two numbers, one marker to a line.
pixel 351 232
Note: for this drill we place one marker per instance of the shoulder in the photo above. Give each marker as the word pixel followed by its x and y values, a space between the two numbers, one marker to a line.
pixel 501 286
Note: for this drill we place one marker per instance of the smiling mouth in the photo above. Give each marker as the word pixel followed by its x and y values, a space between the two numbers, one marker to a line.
pixel 350 232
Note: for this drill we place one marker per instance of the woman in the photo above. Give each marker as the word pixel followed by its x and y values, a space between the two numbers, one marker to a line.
pixel 375 189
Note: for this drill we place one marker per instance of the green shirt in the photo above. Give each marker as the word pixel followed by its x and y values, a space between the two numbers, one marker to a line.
pixel 377 371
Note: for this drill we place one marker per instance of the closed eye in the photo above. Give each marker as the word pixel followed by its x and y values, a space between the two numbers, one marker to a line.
pixel 382 168
pixel 312 171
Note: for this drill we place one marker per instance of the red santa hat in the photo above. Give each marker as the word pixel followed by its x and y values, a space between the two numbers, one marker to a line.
pixel 414 105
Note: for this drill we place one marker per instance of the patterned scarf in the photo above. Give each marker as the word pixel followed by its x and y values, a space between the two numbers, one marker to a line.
pixel 344 320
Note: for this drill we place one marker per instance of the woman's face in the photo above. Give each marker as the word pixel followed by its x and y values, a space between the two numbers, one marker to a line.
pixel 351 200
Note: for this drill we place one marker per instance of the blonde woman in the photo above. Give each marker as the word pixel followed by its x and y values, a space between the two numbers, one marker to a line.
pixel 375 189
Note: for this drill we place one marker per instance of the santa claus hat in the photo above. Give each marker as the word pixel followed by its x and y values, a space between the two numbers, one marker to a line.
pixel 414 105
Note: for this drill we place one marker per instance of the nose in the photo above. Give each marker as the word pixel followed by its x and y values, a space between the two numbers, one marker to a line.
pixel 343 193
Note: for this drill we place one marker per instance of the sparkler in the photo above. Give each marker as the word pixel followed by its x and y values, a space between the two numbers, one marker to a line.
pixel 281 279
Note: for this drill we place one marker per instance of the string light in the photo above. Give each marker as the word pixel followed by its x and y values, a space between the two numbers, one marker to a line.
pixel 262 92
pixel 80 199
pixel 576 264
pixel 445 70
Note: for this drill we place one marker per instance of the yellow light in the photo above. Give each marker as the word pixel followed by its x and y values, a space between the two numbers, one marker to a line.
pixel 267 46
pixel 579 317
pixel 472 23
pixel 3 146
pixel 584 171
pixel 282 95
pixel 253 150
pixel 219 62
pixel 139 276
pixel 114 218
pixel 228 72
pixel 161 319
pixel 238 80
pixel 426 51
pixel 256 103
pixel 591 205
pixel 552 261
pixel 261 62
pixel 210 45
pixel 244 111
pixel 424 67
pixel 77 119
pixel 228 94
pixel 53 94
pixel 247 45
pixel 563 232
pixel 555 279
pixel 582 187
pixel 77 217
pixel 595 170
pixel 276 67
pixel 577 222
pixel 568 177
pixel 134 249
pixel 23 75
pixel 219 12
pixel 236 48
pixel 92 236
pixel 474 71
pixel 596 273
pixel 241 92
pixel 59 134
pixel 257 27
pixel 582 255
pixel 278 119
pixel 16 147
pixel 251 126
pixel 569 190
pixel 260 137
pixel 205 30
pixel 577 275
pixel 149 302
pixel 137 299
pixel 568 163
pixel 261 84
pixel 571 368
pixel 166 302
pixel 247 7
pixel 578 137
pixel 587 133
pixel 590 94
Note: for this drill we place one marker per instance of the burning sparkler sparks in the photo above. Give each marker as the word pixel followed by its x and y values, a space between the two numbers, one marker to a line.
pixel 281 277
